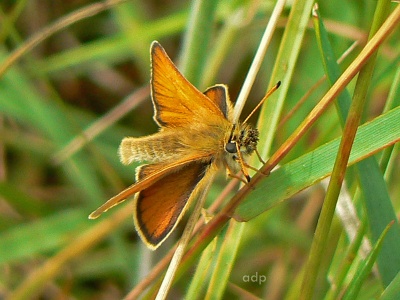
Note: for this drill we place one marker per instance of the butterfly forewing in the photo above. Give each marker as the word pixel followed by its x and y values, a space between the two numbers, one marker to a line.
pixel 177 102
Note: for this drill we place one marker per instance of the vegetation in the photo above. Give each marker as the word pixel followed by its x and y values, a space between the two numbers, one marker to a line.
pixel 74 80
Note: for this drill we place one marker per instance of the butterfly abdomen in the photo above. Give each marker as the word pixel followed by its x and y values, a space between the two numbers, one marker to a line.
pixel 152 148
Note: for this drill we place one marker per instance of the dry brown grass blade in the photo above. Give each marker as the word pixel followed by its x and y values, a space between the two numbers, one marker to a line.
pixel 60 24
pixel 101 124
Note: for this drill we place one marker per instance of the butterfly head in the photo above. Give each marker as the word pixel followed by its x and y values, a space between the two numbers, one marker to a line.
pixel 244 138
pixel 241 142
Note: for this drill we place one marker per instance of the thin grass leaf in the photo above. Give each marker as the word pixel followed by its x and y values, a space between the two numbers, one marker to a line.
pixel 344 267
pixel 37 279
pixel 366 267
pixel 50 120
pixel 392 291
pixel 332 69
pixel 283 71
pixel 225 261
pixel 43 236
pixel 200 279
pixel 197 39
pixel 393 100
pixel 21 201
pixel 111 49
pixel 380 210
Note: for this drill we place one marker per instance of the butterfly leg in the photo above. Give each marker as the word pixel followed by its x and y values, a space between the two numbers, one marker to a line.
pixel 231 174
pixel 250 167
pixel 254 169
pixel 237 177
pixel 242 163
pixel 261 160
pixel 259 157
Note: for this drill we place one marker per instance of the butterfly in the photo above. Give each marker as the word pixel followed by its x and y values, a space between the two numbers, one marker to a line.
pixel 197 137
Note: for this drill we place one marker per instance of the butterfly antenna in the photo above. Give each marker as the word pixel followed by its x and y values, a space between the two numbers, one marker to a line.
pixel 273 89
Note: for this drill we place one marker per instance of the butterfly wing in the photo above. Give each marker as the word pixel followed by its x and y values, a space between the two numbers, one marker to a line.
pixel 219 95
pixel 177 102
pixel 159 207
pixel 153 175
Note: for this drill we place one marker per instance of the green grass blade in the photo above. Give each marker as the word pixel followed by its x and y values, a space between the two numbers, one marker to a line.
pixel 112 49
pixel 393 289
pixel 340 274
pixel 200 279
pixel 366 267
pixel 310 168
pixel 377 201
pixel 380 211
pixel 197 39
pixel 225 261
pixel 46 235
pixel 21 201
pixel 349 132
pixel 22 102
pixel 332 69
pixel 283 71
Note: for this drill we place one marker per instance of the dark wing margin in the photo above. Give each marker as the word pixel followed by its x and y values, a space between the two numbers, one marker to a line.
pixel 219 95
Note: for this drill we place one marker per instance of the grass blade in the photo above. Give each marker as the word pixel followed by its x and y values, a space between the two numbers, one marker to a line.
pixel 308 169
pixel 376 197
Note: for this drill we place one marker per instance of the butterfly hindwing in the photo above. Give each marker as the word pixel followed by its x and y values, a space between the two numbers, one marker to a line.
pixel 219 95
pixel 150 175
pixel 159 207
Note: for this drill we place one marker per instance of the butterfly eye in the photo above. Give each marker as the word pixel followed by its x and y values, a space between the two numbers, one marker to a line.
pixel 231 147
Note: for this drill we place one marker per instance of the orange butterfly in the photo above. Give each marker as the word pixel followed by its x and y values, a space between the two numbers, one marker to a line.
pixel 197 137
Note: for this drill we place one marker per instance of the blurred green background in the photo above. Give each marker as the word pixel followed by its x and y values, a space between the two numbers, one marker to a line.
pixel 67 102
